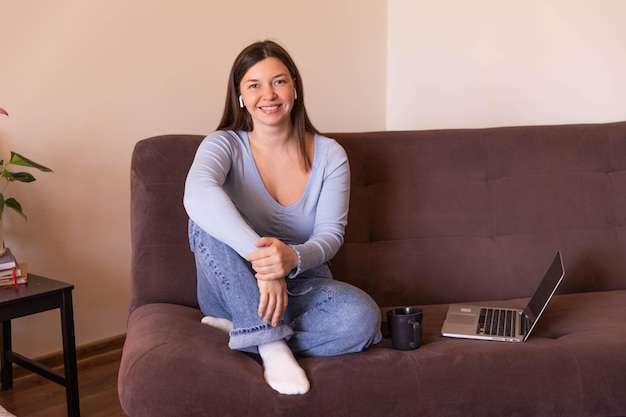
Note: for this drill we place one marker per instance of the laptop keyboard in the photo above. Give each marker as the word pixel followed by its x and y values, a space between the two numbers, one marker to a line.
pixel 496 322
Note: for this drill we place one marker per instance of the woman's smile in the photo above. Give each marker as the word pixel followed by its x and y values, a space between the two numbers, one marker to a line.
pixel 270 109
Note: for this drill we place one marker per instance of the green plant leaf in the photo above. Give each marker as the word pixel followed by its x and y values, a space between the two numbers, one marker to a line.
pixel 18 176
pixel 1 205
pixel 12 203
pixel 18 159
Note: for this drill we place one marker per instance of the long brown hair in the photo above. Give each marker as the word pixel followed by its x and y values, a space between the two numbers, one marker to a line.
pixel 237 118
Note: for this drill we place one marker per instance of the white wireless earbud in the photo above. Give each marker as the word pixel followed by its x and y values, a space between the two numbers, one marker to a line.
pixel 241 102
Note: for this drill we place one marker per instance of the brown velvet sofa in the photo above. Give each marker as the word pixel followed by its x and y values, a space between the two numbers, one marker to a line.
pixel 436 217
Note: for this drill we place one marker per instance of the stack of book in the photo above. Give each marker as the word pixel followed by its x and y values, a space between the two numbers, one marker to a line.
pixel 11 272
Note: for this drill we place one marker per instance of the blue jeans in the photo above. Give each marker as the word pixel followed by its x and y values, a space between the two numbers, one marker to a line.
pixel 324 317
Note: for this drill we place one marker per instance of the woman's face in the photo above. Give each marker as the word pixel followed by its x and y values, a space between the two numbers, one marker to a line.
pixel 267 91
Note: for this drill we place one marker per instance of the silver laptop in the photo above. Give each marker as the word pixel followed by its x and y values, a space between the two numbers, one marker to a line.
pixel 504 324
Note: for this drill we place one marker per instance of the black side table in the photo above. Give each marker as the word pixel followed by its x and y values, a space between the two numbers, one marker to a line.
pixel 41 294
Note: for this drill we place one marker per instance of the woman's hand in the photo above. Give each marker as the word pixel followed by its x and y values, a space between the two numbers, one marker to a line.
pixel 274 260
pixel 273 300
pixel 272 263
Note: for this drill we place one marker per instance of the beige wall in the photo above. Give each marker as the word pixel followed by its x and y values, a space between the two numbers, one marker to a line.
pixel 456 63
pixel 83 80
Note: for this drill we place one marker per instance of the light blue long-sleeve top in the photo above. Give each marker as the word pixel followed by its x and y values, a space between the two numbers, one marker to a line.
pixel 225 196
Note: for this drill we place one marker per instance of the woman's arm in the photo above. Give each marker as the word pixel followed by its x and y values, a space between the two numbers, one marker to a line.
pixel 205 201
pixel 331 215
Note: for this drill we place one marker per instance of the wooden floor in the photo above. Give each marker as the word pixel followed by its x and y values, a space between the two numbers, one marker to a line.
pixel 35 396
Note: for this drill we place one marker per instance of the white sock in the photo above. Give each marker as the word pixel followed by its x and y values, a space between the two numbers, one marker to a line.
pixel 282 371
pixel 224 325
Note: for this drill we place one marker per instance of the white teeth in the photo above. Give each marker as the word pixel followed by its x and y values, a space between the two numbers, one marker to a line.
pixel 269 108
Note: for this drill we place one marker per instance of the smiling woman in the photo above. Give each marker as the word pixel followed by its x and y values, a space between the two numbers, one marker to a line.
pixel 252 58
pixel 267 197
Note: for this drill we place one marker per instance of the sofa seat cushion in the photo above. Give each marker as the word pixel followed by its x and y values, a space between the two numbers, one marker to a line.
pixel 186 365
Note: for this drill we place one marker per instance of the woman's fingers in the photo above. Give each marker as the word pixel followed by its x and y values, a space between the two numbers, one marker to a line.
pixel 273 300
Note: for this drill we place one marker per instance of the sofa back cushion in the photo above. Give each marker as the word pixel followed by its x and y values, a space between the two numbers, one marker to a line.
pixel 462 215
pixel 162 265
pixel 435 216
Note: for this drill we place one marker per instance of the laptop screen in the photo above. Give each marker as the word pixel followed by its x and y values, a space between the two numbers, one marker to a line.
pixel 547 288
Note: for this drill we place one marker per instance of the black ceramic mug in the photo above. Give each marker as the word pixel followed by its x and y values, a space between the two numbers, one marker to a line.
pixel 405 327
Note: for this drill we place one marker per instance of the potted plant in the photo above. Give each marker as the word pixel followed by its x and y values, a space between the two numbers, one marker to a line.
pixel 7 177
